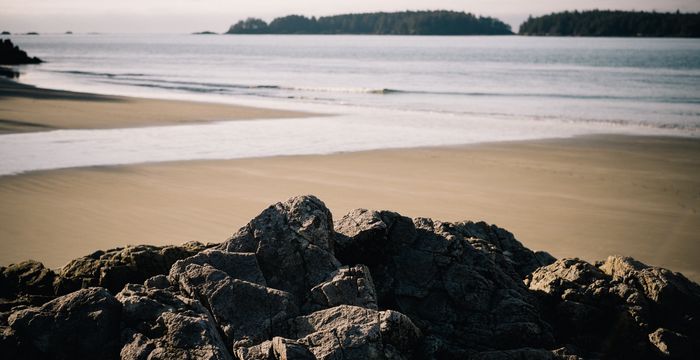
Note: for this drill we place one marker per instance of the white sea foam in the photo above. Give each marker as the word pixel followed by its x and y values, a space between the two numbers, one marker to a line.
pixel 260 138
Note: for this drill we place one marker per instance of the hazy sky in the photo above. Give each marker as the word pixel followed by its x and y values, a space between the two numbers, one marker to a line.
pixel 184 16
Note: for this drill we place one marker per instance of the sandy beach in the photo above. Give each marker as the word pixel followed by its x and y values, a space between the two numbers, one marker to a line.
pixel 26 108
pixel 587 197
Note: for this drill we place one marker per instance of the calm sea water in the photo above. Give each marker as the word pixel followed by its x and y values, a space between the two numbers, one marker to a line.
pixel 387 91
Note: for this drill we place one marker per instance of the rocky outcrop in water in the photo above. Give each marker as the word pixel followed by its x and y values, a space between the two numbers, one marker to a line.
pixel 294 284
pixel 10 54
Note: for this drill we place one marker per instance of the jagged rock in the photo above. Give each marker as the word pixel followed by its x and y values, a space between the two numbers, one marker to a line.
pixel 161 324
pixel 524 260
pixel 349 286
pixel 12 55
pixel 610 309
pixel 462 291
pixel 672 344
pixel 115 268
pixel 241 266
pixel 28 277
pixel 667 293
pixel 246 313
pixel 275 290
pixel 27 283
pixel 81 325
pixel 522 354
pixel 293 243
pixel 157 282
pixel 351 332
pixel 276 349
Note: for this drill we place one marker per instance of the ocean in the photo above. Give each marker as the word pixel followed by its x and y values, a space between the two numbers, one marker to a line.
pixel 380 92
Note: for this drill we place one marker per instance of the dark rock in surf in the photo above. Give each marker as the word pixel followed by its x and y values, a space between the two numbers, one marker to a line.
pixel 10 54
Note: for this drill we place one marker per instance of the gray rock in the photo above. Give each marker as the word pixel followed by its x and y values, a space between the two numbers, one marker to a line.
pixel 81 325
pixel 246 313
pixel 157 282
pixel 351 332
pixel 611 308
pixel 293 243
pixel 522 354
pixel 161 324
pixel 28 277
pixel 523 260
pixel 349 286
pixel 276 349
pixel 115 268
pixel 461 291
pixel 672 344
pixel 242 266
pixel 667 291
pixel 27 283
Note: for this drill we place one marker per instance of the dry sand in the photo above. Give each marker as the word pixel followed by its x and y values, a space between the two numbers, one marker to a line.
pixel 587 197
pixel 27 108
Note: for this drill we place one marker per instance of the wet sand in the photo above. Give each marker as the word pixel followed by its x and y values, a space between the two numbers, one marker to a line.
pixel 26 108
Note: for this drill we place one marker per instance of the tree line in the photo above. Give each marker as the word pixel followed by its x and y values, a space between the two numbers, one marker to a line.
pixel 439 22
pixel 613 23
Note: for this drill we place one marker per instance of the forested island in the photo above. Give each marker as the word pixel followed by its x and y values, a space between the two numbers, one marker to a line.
pixel 613 23
pixel 439 22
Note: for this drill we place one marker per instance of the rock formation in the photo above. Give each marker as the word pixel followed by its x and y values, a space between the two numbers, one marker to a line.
pixel 10 54
pixel 292 284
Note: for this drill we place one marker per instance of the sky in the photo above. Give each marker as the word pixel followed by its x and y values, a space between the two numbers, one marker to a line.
pixel 185 16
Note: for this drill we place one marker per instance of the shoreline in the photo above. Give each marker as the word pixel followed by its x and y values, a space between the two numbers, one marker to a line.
pixel 26 108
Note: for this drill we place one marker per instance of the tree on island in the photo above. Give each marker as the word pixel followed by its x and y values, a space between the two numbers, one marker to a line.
pixel 439 22
pixel 248 26
pixel 613 23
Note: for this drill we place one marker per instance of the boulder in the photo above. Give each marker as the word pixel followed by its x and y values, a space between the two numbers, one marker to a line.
pixel 246 313
pixel 671 295
pixel 162 324
pixel 293 243
pixel 80 325
pixel 241 266
pixel 27 277
pixel 112 269
pixel 348 286
pixel 276 349
pixel 672 344
pixel 25 283
pixel 351 332
pixel 618 306
pixel 463 292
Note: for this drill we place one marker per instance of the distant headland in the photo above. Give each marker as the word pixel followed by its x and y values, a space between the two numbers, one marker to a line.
pixel 613 23
pixel 440 22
